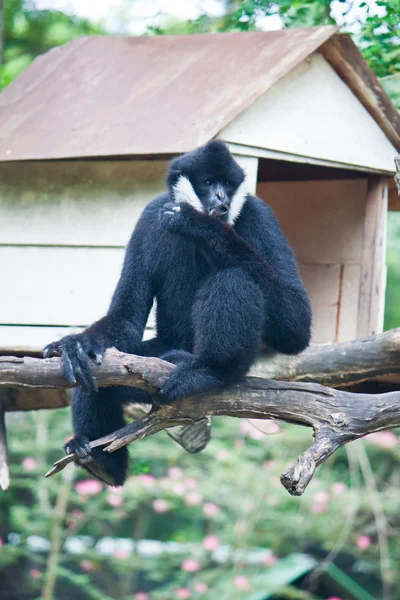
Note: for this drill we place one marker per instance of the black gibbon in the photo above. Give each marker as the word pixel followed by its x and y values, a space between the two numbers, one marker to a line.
pixel 225 281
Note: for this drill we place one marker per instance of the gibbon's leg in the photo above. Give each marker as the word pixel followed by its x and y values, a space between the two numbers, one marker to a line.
pixel 97 414
pixel 228 316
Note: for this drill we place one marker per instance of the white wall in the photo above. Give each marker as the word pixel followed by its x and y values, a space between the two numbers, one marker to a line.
pixel 312 113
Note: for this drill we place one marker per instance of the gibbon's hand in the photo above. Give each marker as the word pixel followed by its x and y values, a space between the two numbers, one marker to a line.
pixel 175 216
pixel 181 218
pixel 76 352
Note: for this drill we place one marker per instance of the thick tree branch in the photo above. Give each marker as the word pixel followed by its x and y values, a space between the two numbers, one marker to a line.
pixel 374 360
pixel 336 416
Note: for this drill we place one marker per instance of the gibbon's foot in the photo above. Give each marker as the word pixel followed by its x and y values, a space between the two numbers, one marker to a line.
pixel 189 380
pixel 177 357
pixel 81 447
pixel 109 468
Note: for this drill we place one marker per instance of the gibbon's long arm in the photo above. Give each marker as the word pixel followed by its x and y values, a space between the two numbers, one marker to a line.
pixel 223 247
pixel 124 323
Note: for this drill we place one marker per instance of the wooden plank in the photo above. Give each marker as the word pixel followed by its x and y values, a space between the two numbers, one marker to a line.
pixel 322 283
pixel 322 119
pixel 57 286
pixel 373 272
pixel 82 203
pixel 323 220
pixel 31 339
pixel 348 303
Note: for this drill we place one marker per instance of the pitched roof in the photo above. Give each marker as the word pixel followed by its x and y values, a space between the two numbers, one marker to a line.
pixel 162 95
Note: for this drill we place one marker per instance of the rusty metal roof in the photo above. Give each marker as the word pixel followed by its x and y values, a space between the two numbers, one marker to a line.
pixel 139 96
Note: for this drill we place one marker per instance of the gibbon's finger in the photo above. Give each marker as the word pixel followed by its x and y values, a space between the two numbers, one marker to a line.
pixel 84 379
pixel 67 367
pixel 53 348
pixel 85 368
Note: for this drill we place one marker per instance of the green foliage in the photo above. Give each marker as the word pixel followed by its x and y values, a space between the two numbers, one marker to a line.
pixel 29 32
pixel 392 305
pixel 380 39
pixel 225 510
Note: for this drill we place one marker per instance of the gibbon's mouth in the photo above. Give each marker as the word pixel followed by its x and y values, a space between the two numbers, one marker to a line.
pixel 219 212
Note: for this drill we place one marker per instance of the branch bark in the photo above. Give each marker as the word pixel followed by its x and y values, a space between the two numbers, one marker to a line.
pixel 336 416
pixel 373 360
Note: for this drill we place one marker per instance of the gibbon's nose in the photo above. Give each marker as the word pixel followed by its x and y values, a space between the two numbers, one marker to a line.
pixel 220 194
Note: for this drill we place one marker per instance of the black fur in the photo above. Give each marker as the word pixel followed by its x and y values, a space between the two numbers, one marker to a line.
pixel 221 291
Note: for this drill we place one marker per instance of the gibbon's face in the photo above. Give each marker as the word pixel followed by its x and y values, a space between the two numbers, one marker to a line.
pixel 210 180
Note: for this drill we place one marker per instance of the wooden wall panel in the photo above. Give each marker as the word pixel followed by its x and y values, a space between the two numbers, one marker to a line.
pixel 323 220
pixel 373 270
pixel 322 283
pixel 88 203
pixel 57 286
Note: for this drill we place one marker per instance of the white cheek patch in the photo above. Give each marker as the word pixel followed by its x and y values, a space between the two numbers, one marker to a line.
pixel 238 200
pixel 184 192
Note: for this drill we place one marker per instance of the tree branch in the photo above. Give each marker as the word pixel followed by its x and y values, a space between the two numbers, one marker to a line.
pixel 336 416
pixel 374 361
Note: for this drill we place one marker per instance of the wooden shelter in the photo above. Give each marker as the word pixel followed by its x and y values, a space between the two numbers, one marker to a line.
pixel 86 132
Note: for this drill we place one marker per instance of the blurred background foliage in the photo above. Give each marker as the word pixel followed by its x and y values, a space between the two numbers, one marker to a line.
pixel 217 525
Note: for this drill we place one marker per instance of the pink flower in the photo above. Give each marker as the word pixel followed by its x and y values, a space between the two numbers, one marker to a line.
pixel 29 463
pixel 211 542
pixel 179 489
pixel 270 560
pixel 182 593
pixel 1 542
pixel 268 426
pixel 339 488
pixel 363 542
pixel 160 506
pixel 121 554
pixel 210 509
pixel 192 498
pixel 35 573
pixel 141 596
pixel 320 502
pixel 190 565
pixel 248 429
pixel 334 598
pixel 319 507
pixel 175 473
pixel 321 497
pixel 87 565
pixel 385 439
pixel 242 582
pixel 190 483
pixel 115 500
pixel 146 480
pixel 200 587
pixel 88 487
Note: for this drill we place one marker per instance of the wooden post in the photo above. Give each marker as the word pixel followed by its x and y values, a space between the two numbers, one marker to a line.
pixel 373 267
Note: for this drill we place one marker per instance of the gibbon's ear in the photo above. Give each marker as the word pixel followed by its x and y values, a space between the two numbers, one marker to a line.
pixel 238 200
pixel 183 192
